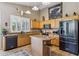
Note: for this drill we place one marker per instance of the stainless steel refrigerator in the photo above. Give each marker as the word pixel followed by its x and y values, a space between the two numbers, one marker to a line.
pixel 69 36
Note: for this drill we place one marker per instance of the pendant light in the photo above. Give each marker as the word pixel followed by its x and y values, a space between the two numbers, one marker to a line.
pixel 27 12
pixel 22 12
pixel 35 8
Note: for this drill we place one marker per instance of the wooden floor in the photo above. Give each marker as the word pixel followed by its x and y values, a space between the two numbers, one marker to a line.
pixel 54 51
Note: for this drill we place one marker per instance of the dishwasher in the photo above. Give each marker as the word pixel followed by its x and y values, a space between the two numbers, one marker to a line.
pixel 10 42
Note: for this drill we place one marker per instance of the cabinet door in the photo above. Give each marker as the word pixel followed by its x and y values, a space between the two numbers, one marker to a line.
pixel 32 24
pixel 52 24
pixel 56 23
pixel 21 40
pixel 36 24
pixel 55 41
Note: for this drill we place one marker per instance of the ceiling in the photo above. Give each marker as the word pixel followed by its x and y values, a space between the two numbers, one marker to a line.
pixel 38 4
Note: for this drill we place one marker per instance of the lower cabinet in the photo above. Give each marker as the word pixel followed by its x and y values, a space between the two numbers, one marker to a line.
pixel 11 41
pixel 55 41
pixel 23 40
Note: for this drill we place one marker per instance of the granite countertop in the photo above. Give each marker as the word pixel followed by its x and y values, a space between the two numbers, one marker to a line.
pixel 42 37
pixel 10 35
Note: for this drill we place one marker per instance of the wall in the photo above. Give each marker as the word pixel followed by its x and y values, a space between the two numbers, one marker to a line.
pixel 68 7
pixel 8 9
pixel 44 12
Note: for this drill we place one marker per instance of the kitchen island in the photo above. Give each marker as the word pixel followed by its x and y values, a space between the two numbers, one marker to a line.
pixel 39 45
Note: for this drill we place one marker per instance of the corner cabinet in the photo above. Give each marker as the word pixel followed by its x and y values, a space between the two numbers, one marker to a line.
pixel 18 24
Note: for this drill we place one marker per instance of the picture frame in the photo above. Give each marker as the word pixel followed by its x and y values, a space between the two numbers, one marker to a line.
pixel 55 11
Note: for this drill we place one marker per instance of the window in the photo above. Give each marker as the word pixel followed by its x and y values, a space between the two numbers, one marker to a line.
pixel 19 24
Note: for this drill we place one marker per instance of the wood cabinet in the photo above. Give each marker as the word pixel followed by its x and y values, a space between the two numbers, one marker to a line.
pixel 23 40
pixel 39 25
pixel 55 40
pixel 35 24
pixel 54 23
pixel 57 23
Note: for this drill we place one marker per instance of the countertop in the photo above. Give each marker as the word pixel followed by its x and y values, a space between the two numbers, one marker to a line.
pixel 41 37
pixel 10 35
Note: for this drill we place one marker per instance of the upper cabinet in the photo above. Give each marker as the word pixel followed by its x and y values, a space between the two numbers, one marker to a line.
pixel 40 25
pixel 18 24
pixel 35 24
pixel 54 23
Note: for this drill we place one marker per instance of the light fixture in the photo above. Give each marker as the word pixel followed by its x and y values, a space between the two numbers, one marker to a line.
pixel 18 10
pixel 22 12
pixel 27 12
pixel 35 8
pixel 45 3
